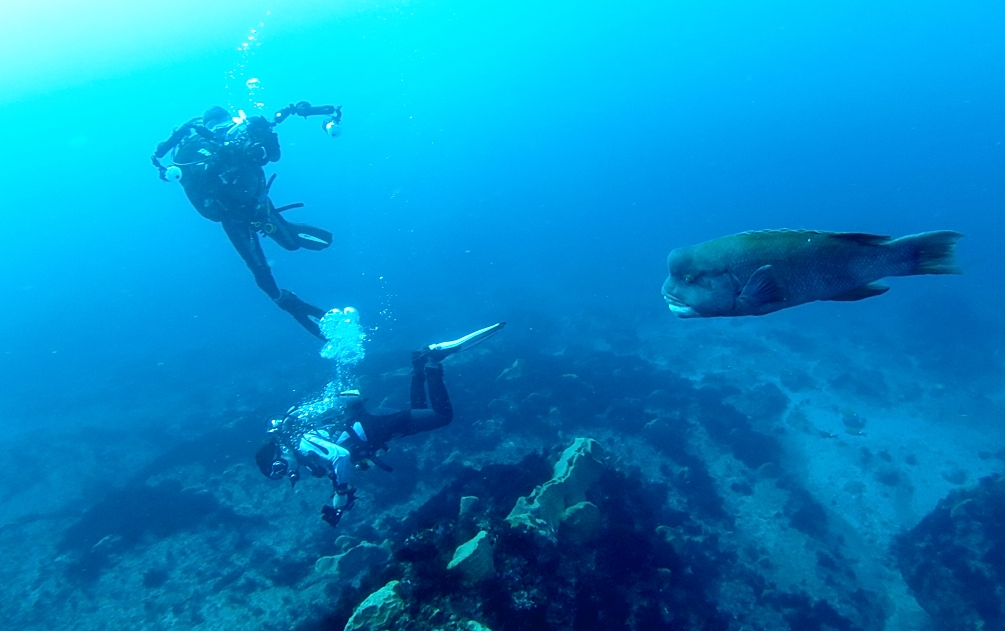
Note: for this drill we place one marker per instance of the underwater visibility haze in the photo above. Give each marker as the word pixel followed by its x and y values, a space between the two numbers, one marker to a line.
pixel 829 458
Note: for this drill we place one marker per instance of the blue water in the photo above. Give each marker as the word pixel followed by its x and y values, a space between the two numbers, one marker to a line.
pixel 522 161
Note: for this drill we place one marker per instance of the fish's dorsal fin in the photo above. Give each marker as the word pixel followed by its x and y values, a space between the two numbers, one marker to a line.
pixel 854 237
pixel 861 293
pixel 860 237
pixel 762 288
pixel 785 231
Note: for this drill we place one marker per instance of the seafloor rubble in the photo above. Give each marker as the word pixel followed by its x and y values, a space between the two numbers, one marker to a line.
pixel 577 489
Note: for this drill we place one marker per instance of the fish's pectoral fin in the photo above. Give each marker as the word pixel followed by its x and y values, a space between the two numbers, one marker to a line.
pixel 861 293
pixel 762 288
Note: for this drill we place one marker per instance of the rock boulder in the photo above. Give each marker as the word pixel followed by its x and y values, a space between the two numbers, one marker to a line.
pixel 564 495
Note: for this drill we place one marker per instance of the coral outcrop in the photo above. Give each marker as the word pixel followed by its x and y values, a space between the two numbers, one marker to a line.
pixel 473 559
pixel 589 572
pixel 379 611
pixel 354 561
pixel 562 499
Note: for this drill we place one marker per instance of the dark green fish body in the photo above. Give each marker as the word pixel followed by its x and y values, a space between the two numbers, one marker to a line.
pixel 754 273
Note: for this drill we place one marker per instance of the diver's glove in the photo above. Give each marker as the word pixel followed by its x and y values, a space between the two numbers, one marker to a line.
pixel 331 516
pixel 346 498
pixel 265 141
pixel 259 128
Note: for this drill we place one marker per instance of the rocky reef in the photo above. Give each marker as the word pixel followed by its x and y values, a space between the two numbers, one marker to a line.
pixel 578 489
pixel 529 568
pixel 592 546
pixel 954 560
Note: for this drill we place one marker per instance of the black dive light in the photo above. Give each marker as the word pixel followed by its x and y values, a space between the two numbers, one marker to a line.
pixel 305 109
pixel 330 125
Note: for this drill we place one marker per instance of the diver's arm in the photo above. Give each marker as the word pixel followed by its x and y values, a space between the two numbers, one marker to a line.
pixel 293 473
pixel 341 475
pixel 343 499
pixel 344 494
pixel 271 146
pixel 265 147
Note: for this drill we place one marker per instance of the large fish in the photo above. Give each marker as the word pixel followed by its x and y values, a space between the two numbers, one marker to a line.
pixel 753 273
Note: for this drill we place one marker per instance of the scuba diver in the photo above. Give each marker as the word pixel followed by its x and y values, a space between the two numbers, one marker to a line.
pixel 219 160
pixel 349 437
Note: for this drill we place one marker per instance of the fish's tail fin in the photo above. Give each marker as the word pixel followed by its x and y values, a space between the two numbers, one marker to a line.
pixel 930 252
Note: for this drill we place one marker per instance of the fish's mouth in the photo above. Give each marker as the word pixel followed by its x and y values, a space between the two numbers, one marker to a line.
pixel 678 307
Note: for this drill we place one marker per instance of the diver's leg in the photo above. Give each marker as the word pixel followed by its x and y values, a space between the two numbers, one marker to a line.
pixel 303 312
pixel 293 236
pixel 280 230
pixel 380 429
pixel 417 390
pixel 438 396
pixel 246 242
pixel 425 420
pixel 419 419
pixel 247 245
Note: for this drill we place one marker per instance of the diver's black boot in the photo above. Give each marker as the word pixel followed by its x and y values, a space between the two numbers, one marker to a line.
pixel 305 313
pixel 438 352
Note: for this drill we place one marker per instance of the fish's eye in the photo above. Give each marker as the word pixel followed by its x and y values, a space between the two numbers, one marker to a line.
pixel 688 278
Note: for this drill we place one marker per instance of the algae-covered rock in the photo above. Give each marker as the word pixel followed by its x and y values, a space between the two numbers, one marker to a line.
pixel 379 611
pixel 578 468
pixel 353 562
pixel 344 542
pixel 513 372
pixel 361 558
pixel 467 518
pixel 473 559
pixel 324 565
pixel 581 524
pixel 468 505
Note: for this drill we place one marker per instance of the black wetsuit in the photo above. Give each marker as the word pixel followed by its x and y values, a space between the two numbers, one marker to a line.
pixel 225 182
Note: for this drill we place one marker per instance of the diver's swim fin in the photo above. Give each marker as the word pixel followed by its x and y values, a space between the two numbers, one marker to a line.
pixel 311 237
pixel 438 351
pixel 303 312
